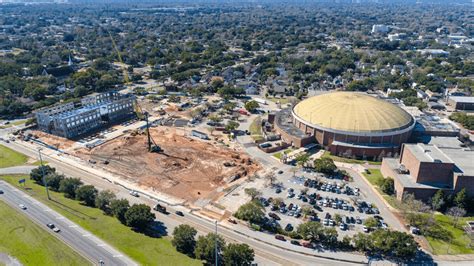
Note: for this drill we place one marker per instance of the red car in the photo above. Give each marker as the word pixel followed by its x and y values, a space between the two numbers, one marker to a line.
pixel 280 237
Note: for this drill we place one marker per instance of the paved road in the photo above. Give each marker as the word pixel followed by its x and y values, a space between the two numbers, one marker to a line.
pixel 79 239
pixel 17 170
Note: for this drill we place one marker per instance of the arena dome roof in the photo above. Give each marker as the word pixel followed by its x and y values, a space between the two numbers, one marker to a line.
pixel 353 112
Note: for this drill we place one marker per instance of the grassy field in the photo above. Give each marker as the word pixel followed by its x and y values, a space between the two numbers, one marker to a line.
pixel 348 160
pixel 281 100
pixel 279 154
pixel 375 177
pixel 256 129
pixel 460 243
pixel 144 249
pixel 15 123
pixel 31 244
pixel 9 157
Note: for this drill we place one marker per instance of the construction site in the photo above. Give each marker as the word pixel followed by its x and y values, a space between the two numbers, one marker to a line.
pixel 183 167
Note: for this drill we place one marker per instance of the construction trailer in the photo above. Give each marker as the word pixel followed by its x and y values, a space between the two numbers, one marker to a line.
pixel 96 111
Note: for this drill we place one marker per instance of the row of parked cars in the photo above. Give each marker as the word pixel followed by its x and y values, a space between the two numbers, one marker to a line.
pixel 333 188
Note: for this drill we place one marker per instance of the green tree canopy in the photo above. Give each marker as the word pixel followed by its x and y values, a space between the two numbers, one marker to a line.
pixel 87 194
pixel 184 239
pixel 238 254
pixel 139 216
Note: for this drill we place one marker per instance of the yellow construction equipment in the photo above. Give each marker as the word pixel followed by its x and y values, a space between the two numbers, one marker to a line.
pixel 124 69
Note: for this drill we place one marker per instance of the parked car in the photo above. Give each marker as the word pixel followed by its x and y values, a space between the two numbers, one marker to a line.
pixel 274 216
pixel 1 191
pixel 289 227
pixel 342 226
pixel 134 193
pixel 365 229
pixel 232 221
pixel 180 213
pixel 295 242
pixel 280 237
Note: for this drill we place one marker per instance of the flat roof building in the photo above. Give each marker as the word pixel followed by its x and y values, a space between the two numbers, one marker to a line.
pixel 96 111
pixel 423 169
pixel 462 103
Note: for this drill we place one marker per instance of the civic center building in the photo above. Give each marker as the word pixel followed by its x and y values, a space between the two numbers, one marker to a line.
pixel 346 124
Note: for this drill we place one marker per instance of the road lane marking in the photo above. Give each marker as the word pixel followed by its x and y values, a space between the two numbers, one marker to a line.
pixel 86 235
pixel 117 256
pixel 73 226
pixel 101 245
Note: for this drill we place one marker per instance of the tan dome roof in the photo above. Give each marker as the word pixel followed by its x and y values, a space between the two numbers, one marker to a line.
pixel 351 111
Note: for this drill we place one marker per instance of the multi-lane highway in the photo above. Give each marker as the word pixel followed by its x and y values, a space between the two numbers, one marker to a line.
pixel 85 243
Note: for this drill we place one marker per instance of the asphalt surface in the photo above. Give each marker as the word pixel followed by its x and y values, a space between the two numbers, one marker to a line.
pixel 74 236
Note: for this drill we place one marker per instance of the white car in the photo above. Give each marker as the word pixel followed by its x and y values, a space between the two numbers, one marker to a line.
pixel 366 229
pixel 134 193
pixel 22 206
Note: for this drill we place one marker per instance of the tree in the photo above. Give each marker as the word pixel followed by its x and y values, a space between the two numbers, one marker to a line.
pixel 206 246
pixel 252 106
pixel 232 125
pixel 37 173
pixel 437 201
pixel 302 159
pixel 68 186
pixel 306 209
pixel 184 239
pixel 119 207
pixel 271 178
pixel 329 236
pixel 86 194
pixel 310 230
pixel 388 186
pixel 139 216
pixel 371 222
pixel 362 242
pixel 399 245
pixel 103 200
pixel 456 213
pixel 253 193
pixel 54 180
pixel 325 165
pixel 460 200
pixel 251 211
pixel 238 254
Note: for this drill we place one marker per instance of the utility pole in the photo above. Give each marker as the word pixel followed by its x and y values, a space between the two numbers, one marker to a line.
pixel 42 173
pixel 215 244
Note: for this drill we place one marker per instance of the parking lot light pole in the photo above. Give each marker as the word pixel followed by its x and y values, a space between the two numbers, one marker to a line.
pixel 216 245
pixel 42 173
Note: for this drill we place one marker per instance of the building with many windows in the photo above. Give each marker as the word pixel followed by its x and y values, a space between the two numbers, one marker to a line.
pixel 96 111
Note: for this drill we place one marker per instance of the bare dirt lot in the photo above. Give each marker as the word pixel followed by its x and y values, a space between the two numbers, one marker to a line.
pixel 58 142
pixel 187 168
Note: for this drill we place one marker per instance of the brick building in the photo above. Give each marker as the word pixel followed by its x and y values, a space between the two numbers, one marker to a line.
pixel 423 169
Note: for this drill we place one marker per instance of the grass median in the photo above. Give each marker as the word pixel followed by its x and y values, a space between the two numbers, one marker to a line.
pixel 146 250
pixel 9 157
pixel 30 244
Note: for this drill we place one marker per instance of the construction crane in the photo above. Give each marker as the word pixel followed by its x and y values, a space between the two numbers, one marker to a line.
pixel 152 147
pixel 124 69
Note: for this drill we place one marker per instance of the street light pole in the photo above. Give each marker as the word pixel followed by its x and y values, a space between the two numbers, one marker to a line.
pixel 42 173
pixel 215 244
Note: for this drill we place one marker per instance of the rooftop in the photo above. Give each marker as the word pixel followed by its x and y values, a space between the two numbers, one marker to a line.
pixel 464 99
pixel 427 153
pixel 351 111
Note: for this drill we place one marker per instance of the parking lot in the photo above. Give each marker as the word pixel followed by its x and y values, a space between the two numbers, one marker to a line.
pixel 313 196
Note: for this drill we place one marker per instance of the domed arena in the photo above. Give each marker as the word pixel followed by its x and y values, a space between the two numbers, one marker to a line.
pixel 349 124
